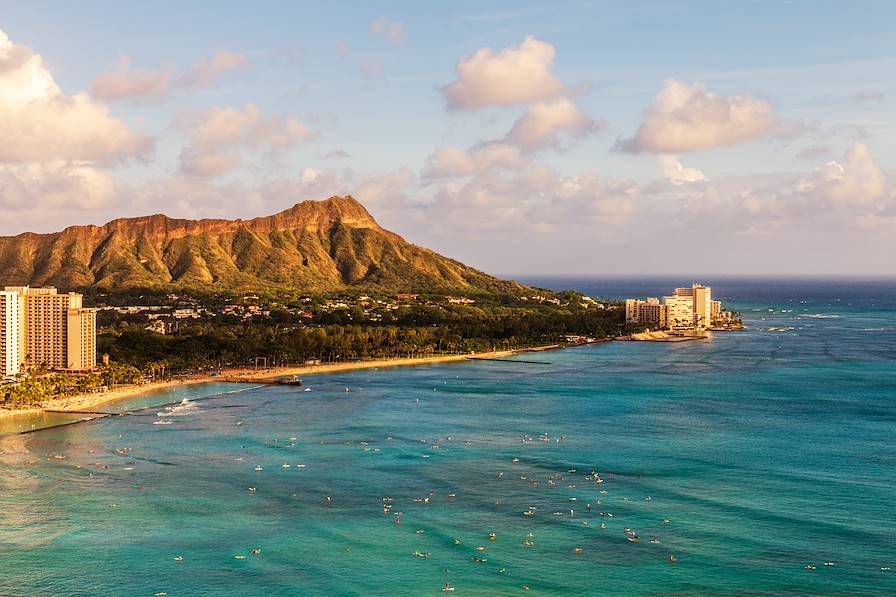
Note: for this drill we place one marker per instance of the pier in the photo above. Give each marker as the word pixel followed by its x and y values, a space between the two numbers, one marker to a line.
pixel 289 380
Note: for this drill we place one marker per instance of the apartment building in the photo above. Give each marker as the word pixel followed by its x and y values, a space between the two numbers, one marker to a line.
pixel 56 331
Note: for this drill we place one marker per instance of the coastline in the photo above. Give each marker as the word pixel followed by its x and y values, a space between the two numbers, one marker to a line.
pixel 249 375
pixel 82 402
pixel 85 402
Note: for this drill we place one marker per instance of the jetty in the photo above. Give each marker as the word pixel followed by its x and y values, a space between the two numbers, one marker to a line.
pixel 284 380
pixel 81 412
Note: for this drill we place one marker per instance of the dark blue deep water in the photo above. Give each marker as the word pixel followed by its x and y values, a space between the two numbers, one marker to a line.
pixel 765 452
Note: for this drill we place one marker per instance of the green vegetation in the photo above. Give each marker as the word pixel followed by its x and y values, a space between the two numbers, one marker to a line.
pixel 36 389
pixel 353 330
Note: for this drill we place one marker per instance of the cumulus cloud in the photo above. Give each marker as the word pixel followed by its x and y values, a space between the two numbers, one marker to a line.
pixel 391 30
pixel 206 72
pixel 534 198
pixel 375 189
pixel 839 191
pixel 309 176
pixel 541 126
pixel 196 163
pixel 515 75
pixel 447 162
pixel 38 122
pixel 220 129
pixel 543 123
pixel 223 127
pixel 857 181
pixel 676 173
pixel 130 83
pixel 52 185
pixel 689 117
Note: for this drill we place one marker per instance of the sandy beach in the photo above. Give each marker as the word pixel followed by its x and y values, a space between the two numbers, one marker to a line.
pixel 86 402
pixel 89 402
pixel 661 336
pixel 250 374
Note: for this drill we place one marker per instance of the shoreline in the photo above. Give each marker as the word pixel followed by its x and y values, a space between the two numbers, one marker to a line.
pixel 249 375
pixel 83 402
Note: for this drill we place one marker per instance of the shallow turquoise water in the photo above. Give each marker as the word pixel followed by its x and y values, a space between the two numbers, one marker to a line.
pixel 765 452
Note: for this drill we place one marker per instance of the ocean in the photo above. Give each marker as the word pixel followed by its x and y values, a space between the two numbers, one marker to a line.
pixel 747 457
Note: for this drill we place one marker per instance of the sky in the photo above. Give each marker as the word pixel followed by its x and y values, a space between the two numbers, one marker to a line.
pixel 523 138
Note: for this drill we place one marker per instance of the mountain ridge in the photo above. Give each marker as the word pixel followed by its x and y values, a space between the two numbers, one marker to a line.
pixel 314 245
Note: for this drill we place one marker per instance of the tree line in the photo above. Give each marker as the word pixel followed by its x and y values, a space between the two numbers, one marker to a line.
pixel 416 331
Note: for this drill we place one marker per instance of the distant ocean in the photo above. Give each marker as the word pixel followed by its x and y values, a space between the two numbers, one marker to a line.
pixel 748 457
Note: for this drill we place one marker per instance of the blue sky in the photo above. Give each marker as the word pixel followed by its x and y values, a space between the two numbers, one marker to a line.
pixel 369 82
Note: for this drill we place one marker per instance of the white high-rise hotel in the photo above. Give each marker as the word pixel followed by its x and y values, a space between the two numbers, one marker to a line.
pixel 39 327
pixel 686 308
pixel 10 333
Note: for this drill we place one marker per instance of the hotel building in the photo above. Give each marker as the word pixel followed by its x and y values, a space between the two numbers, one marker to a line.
pixel 649 312
pixel 54 330
pixel 686 309
pixel 11 327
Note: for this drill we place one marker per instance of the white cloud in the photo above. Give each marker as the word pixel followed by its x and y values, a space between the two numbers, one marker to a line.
pixel 196 163
pixel 838 194
pixel 857 181
pixel 130 83
pixel 536 197
pixel 218 130
pixel 497 218
pixel 515 75
pixel 54 185
pixel 448 162
pixel 206 72
pixel 689 117
pixel 542 124
pixel 125 83
pixel 376 189
pixel 391 30
pixel 309 175
pixel 40 123
pixel 675 172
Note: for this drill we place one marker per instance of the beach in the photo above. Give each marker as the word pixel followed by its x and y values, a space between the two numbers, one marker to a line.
pixel 94 401
pixel 86 402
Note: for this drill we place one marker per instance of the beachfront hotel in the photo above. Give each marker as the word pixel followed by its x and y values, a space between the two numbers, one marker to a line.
pixel 685 309
pixel 40 327
pixel 10 333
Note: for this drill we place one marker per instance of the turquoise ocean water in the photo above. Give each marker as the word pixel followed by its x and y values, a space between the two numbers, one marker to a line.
pixel 764 451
